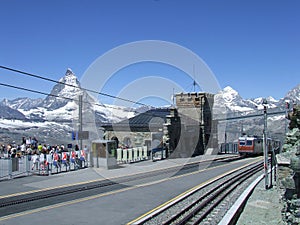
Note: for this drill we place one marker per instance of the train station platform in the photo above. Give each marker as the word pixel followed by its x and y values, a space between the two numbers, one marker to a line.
pixel 36 181
pixel 263 207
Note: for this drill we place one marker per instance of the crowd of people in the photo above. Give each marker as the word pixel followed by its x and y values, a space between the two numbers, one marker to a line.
pixel 31 146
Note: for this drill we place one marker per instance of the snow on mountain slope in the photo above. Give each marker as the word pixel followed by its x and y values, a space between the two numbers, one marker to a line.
pixel 272 103
pixel 233 102
pixel 65 112
pixel 21 124
pixel 22 103
pixel 114 113
pixel 293 95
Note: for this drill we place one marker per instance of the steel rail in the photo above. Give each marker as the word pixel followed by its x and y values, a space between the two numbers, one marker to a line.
pixel 217 197
pixel 202 201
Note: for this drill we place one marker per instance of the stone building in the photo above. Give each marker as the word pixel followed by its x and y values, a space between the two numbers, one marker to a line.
pixel 184 131
pixel 144 129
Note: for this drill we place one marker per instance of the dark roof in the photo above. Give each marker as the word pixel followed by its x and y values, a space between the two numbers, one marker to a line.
pixel 143 122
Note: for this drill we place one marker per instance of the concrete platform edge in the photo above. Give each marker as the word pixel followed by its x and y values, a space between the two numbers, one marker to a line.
pixel 229 217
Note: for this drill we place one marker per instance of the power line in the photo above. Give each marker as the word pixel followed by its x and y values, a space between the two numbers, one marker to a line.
pixel 47 94
pixel 34 91
pixel 81 88
pixel 67 98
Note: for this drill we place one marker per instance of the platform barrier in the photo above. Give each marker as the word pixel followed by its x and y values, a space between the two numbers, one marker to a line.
pixel 125 155
pixel 119 155
pixel 145 152
pixel 14 167
pixel 228 148
pixel 130 155
pixel 135 154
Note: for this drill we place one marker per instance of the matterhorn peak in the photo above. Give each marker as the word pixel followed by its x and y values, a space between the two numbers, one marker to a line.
pixel 70 78
pixel 69 72
pixel 67 88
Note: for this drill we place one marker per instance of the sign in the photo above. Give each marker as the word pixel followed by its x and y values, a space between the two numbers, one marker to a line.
pixel 83 135
pixel 80 135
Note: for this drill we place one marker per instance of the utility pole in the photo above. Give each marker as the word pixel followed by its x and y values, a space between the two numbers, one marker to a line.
pixel 265 145
pixel 80 121
pixel 287 108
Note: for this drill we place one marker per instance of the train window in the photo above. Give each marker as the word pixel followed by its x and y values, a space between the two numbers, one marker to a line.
pixel 249 142
pixel 242 142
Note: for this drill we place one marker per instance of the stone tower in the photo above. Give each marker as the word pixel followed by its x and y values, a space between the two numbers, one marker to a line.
pixel 190 129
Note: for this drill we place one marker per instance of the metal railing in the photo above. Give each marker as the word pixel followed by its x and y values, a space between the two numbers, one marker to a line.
pixel 25 165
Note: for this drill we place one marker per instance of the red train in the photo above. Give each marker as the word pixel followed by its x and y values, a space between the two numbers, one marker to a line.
pixel 254 145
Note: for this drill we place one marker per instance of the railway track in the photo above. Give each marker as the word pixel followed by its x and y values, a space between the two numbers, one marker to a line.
pixel 204 204
pixel 31 200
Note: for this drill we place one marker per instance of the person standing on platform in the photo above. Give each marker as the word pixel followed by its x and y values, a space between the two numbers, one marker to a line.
pixel 35 160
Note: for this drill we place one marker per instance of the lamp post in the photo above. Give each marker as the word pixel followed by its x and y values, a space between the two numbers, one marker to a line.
pixel 265 144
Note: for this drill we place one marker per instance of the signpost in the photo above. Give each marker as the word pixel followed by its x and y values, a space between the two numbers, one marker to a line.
pixel 265 145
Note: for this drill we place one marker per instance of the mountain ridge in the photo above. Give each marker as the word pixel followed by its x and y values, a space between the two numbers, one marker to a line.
pixel 60 109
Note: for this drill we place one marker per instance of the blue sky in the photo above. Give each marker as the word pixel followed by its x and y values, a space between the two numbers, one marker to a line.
pixel 252 46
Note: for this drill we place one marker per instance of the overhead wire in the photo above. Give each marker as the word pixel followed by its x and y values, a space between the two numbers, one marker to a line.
pixel 62 97
pixel 70 85
pixel 81 88
pixel 72 99
pixel 67 98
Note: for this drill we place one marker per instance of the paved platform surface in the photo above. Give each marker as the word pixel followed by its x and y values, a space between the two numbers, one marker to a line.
pixel 36 182
pixel 263 207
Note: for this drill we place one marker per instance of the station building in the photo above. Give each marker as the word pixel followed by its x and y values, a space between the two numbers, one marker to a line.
pixel 184 130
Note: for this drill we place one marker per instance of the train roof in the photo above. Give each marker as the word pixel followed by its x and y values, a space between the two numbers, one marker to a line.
pixel 247 138
pixel 250 137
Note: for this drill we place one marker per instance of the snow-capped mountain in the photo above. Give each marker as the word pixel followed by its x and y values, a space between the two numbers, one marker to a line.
pixel 58 112
pixel 293 96
pixel 22 103
pixel 233 102
pixel 66 90
pixel 272 103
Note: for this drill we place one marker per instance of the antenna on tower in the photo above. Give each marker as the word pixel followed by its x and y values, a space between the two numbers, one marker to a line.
pixel 173 97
